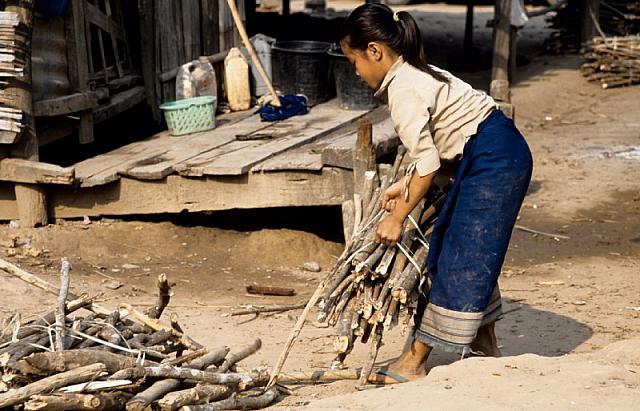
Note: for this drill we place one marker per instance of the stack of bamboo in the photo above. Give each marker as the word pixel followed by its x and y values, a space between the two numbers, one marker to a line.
pixel 121 360
pixel 10 66
pixel 374 286
pixel 613 61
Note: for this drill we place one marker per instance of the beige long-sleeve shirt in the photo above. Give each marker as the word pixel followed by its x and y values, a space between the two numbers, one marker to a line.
pixel 434 120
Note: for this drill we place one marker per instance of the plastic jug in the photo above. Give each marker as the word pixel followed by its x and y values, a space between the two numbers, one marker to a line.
pixel 262 45
pixel 236 80
pixel 195 79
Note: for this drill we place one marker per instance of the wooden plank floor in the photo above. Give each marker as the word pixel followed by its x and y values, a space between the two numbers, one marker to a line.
pixel 246 163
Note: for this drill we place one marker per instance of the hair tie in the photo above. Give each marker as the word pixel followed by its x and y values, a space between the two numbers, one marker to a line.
pixel 395 16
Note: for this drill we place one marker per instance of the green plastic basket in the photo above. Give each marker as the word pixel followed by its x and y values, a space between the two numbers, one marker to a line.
pixel 189 115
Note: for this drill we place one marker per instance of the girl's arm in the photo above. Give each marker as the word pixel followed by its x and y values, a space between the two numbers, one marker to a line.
pixel 390 228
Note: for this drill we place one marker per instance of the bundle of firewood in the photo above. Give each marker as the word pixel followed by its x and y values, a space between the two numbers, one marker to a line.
pixel 374 286
pixel 120 360
pixel 613 61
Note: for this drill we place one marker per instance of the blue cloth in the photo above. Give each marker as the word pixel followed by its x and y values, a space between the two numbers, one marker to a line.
pixel 472 233
pixel 291 105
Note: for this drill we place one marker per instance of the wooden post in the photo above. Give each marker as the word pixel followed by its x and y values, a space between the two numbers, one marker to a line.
pixel 147 47
pixel 513 50
pixel 590 12
pixel 30 199
pixel 468 27
pixel 364 157
pixel 499 88
pixel 78 64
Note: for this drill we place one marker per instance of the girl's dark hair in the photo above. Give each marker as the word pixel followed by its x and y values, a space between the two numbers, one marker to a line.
pixel 375 22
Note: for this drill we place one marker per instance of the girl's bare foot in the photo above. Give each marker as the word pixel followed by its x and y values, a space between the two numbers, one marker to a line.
pixel 410 366
pixel 486 341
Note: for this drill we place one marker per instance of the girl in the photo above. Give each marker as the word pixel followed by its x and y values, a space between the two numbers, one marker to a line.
pixel 445 125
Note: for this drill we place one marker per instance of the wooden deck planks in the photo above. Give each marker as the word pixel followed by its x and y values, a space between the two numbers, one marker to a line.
pixel 105 168
pixel 321 120
pixel 189 146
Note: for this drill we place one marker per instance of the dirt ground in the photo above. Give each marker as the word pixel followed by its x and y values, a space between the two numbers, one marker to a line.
pixel 566 299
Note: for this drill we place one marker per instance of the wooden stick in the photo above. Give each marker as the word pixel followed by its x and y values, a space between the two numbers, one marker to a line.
pixel 319 376
pixel 48 363
pixel 76 401
pixel 157 326
pixel 371 359
pixel 240 355
pixel 200 394
pixel 76 376
pixel 164 295
pixel 163 371
pixel 48 318
pixel 44 285
pixel 268 290
pixel 163 387
pixel 269 309
pixel 61 307
pixel 256 61
pixel 532 231
pixel 238 403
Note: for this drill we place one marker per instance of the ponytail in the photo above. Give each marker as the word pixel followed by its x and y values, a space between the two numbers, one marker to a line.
pixel 399 31
pixel 412 48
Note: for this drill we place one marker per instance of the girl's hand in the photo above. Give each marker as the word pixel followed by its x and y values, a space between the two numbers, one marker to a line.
pixel 392 195
pixel 389 230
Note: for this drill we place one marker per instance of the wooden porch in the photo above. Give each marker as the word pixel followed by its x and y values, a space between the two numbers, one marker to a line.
pixel 242 163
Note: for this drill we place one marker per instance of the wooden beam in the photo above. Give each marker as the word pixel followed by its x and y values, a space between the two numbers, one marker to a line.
pixel 72 103
pixel 176 194
pixel 119 103
pixel 35 172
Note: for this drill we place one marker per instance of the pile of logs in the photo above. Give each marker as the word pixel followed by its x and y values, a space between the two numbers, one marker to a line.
pixel 119 360
pixel 613 61
pixel 373 286
pixel 614 17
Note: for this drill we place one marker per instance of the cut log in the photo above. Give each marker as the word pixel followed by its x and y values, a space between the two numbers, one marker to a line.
pixel 240 355
pixel 79 375
pixel 240 379
pixel 238 403
pixel 80 402
pixel 48 363
pixel 62 304
pixel 200 394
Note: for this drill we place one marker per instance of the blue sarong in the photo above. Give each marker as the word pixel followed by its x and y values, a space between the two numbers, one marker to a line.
pixel 471 236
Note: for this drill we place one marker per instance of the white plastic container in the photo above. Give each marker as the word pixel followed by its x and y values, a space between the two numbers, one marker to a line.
pixel 262 45
pixel 196 79
pixel 236 80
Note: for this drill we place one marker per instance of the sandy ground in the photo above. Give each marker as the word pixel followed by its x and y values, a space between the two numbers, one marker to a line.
pixel 565 299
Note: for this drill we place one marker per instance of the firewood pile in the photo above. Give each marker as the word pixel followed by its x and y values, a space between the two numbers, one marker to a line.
pixel 615 17
pixel 613 61
pixel 375 287
pixel 125 359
